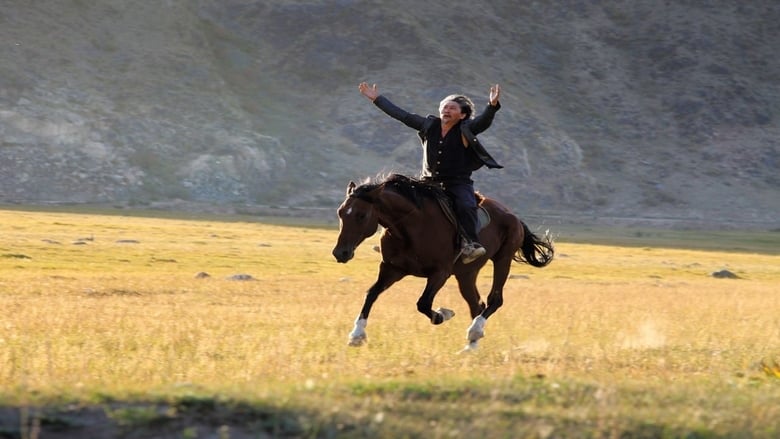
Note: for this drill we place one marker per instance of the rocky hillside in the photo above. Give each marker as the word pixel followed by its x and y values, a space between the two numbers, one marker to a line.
pixel 610 108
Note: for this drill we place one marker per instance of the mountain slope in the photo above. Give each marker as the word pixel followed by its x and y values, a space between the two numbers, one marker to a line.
pixel 644 108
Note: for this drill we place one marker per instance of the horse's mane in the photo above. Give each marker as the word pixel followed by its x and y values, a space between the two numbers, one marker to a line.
pixel 365 188
pixel 414 190
pixel 410 188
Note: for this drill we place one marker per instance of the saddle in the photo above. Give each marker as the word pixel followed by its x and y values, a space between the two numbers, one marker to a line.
pixel 445 203
pixel 417 187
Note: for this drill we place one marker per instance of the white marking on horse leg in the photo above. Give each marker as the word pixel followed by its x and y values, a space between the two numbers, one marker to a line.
pixel 358 335
pixel 446 314
pixel 476 330
pixel 470 347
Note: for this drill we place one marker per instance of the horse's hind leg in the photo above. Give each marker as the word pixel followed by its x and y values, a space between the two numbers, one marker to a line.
pixel 494 300
pixel 388 275
pixel 467 284
pixel 496 297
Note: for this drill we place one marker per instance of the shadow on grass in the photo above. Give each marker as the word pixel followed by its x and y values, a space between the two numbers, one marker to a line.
pixel 414 411
pixel 189 417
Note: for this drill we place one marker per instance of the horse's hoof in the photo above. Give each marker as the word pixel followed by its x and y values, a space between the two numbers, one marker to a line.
pixel 471 347
pixel 474 336
pixel 358 335
pixel 357 341
pixel 446 314
pixel 476 330
pixel 441 315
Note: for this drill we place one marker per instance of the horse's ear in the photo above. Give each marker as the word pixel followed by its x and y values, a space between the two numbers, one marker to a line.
pixel 351 188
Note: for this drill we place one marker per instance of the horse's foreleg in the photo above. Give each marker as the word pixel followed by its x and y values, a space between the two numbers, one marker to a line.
pixel 388 275
pixel 425 303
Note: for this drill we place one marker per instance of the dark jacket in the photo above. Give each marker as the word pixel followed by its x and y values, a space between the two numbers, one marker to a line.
pixel 469 128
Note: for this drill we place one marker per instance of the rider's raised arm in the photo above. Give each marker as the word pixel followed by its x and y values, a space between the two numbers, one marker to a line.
pixel 483 121
pixel 409 119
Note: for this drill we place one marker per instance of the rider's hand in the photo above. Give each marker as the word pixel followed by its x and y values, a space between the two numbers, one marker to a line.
pixel 495 92
pixel 371 92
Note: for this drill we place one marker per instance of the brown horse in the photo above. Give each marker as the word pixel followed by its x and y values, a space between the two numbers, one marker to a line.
pixel 419 240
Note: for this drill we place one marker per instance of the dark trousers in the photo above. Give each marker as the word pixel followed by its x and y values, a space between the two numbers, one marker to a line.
pixel 465 203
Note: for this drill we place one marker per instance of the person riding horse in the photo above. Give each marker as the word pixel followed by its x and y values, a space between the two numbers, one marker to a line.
pixel 417 240
pixel 451 152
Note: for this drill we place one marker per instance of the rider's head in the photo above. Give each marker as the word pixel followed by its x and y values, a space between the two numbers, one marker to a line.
pixel 465 104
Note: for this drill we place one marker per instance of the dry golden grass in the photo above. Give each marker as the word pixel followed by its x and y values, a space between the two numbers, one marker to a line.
pixel 606 340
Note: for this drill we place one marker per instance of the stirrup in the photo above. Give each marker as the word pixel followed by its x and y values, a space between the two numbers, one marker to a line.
pixel 471 252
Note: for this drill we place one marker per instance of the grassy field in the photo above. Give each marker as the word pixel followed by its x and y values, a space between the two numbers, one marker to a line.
pixel 107 331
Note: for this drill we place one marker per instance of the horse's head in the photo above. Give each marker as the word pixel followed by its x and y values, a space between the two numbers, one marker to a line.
pixel 358 220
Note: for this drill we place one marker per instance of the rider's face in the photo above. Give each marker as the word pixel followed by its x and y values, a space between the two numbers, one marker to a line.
pixel 449 111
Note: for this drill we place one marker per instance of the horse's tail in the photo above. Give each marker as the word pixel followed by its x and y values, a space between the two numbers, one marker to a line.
pixel 535 251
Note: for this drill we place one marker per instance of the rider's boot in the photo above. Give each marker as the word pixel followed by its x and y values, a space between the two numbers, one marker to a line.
pixel 472 251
